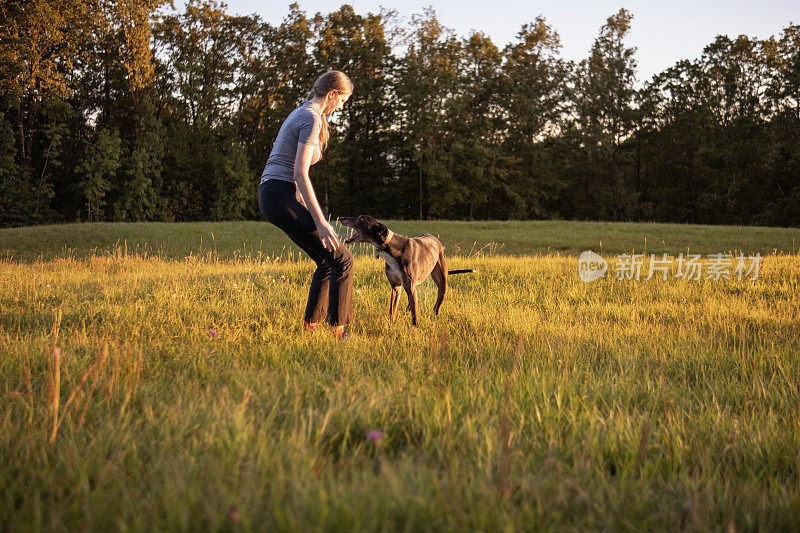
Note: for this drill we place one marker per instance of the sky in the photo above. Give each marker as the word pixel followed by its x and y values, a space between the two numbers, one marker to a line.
pixel 663 31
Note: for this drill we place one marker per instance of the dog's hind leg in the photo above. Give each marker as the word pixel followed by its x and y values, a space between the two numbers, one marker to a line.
pixel 439 275
pixel 411 292
pixel 393 301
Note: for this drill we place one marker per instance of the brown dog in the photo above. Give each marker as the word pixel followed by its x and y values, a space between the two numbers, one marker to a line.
pixel 409 260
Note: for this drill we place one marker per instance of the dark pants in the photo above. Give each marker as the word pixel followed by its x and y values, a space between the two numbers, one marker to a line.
pixel 331 295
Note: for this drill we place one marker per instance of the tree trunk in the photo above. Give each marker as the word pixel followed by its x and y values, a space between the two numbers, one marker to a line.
pixel 21 135
pixel 420 188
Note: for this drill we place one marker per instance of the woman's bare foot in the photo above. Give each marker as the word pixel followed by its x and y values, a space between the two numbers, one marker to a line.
pixel 310 326
pixel 338 331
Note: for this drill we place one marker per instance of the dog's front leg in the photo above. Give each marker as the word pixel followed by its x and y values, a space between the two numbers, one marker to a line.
pixel 411 291
pixel 393 301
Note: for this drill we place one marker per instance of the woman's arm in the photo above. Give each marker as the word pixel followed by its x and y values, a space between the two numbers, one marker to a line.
pixel 305 154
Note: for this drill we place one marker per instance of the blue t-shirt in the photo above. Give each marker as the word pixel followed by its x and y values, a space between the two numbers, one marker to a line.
pixel 301 126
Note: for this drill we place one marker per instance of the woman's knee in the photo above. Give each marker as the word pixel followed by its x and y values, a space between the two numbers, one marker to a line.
pixel 324 268
pixel 344 259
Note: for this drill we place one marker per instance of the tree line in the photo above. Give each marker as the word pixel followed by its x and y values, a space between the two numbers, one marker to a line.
pixel 130 110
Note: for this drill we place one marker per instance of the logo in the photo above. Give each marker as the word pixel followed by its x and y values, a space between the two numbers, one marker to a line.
pixel 591 266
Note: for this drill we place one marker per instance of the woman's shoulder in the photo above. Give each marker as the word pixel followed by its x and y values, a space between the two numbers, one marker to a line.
pixel 306 113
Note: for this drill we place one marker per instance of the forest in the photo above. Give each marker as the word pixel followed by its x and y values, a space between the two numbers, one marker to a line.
pixel 133 110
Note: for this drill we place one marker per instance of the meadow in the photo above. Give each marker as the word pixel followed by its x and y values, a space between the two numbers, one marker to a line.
pixel 155 377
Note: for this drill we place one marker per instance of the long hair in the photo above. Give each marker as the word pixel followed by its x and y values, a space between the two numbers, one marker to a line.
pixel 333 80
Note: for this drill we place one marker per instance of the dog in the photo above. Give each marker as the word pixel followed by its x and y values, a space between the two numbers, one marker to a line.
pixel 409 260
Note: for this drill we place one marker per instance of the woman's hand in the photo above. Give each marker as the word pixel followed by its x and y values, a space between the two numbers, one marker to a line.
pixel 330 240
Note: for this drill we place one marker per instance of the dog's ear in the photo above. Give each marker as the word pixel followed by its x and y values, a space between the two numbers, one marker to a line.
pixel 383 232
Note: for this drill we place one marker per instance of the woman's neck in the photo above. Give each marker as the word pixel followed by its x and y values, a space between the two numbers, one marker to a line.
pixel 318 104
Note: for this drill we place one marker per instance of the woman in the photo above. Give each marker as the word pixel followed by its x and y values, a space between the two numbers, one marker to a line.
pixel 301 141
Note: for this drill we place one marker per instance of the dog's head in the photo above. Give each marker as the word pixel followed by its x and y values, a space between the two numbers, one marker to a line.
pixel 368 230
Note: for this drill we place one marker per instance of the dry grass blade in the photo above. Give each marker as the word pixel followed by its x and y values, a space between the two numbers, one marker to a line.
pixel 643 437
pixel 55 387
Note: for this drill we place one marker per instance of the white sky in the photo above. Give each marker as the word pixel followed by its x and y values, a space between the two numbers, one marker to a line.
pixel 663 31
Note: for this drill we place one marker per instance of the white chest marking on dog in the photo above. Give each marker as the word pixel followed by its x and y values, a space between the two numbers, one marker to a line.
pixel 393 266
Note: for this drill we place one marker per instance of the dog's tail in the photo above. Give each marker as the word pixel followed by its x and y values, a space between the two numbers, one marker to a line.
pixel 463 271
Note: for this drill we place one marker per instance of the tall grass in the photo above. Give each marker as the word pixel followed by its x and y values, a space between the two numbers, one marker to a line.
pixel 140 392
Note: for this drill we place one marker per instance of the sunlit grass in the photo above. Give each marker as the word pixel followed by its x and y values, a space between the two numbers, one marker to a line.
pixel 189 398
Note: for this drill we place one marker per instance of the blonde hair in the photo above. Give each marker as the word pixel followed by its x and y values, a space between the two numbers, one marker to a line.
pixel 333 80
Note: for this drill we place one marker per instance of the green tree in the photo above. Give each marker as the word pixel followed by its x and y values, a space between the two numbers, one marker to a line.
pixel 676 121
pixel 425 82
pixel 534 100
pixel 139 195
pixel 476 169
pixel 276 71
pixel 355 173
pixel 38 43
pixel 704 124
pixel 21 202
pixel 605 117
pixel 199 47
pixel 99 167
pixel 783 207
pixel 438 126
pixel 233 183
pixel 139 198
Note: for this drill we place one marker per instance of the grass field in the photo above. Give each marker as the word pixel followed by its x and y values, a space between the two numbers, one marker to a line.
pixel 232 240
pixel 149 381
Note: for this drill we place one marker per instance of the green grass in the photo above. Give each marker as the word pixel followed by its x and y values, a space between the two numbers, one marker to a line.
pixel 535 401
pixel 237 239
